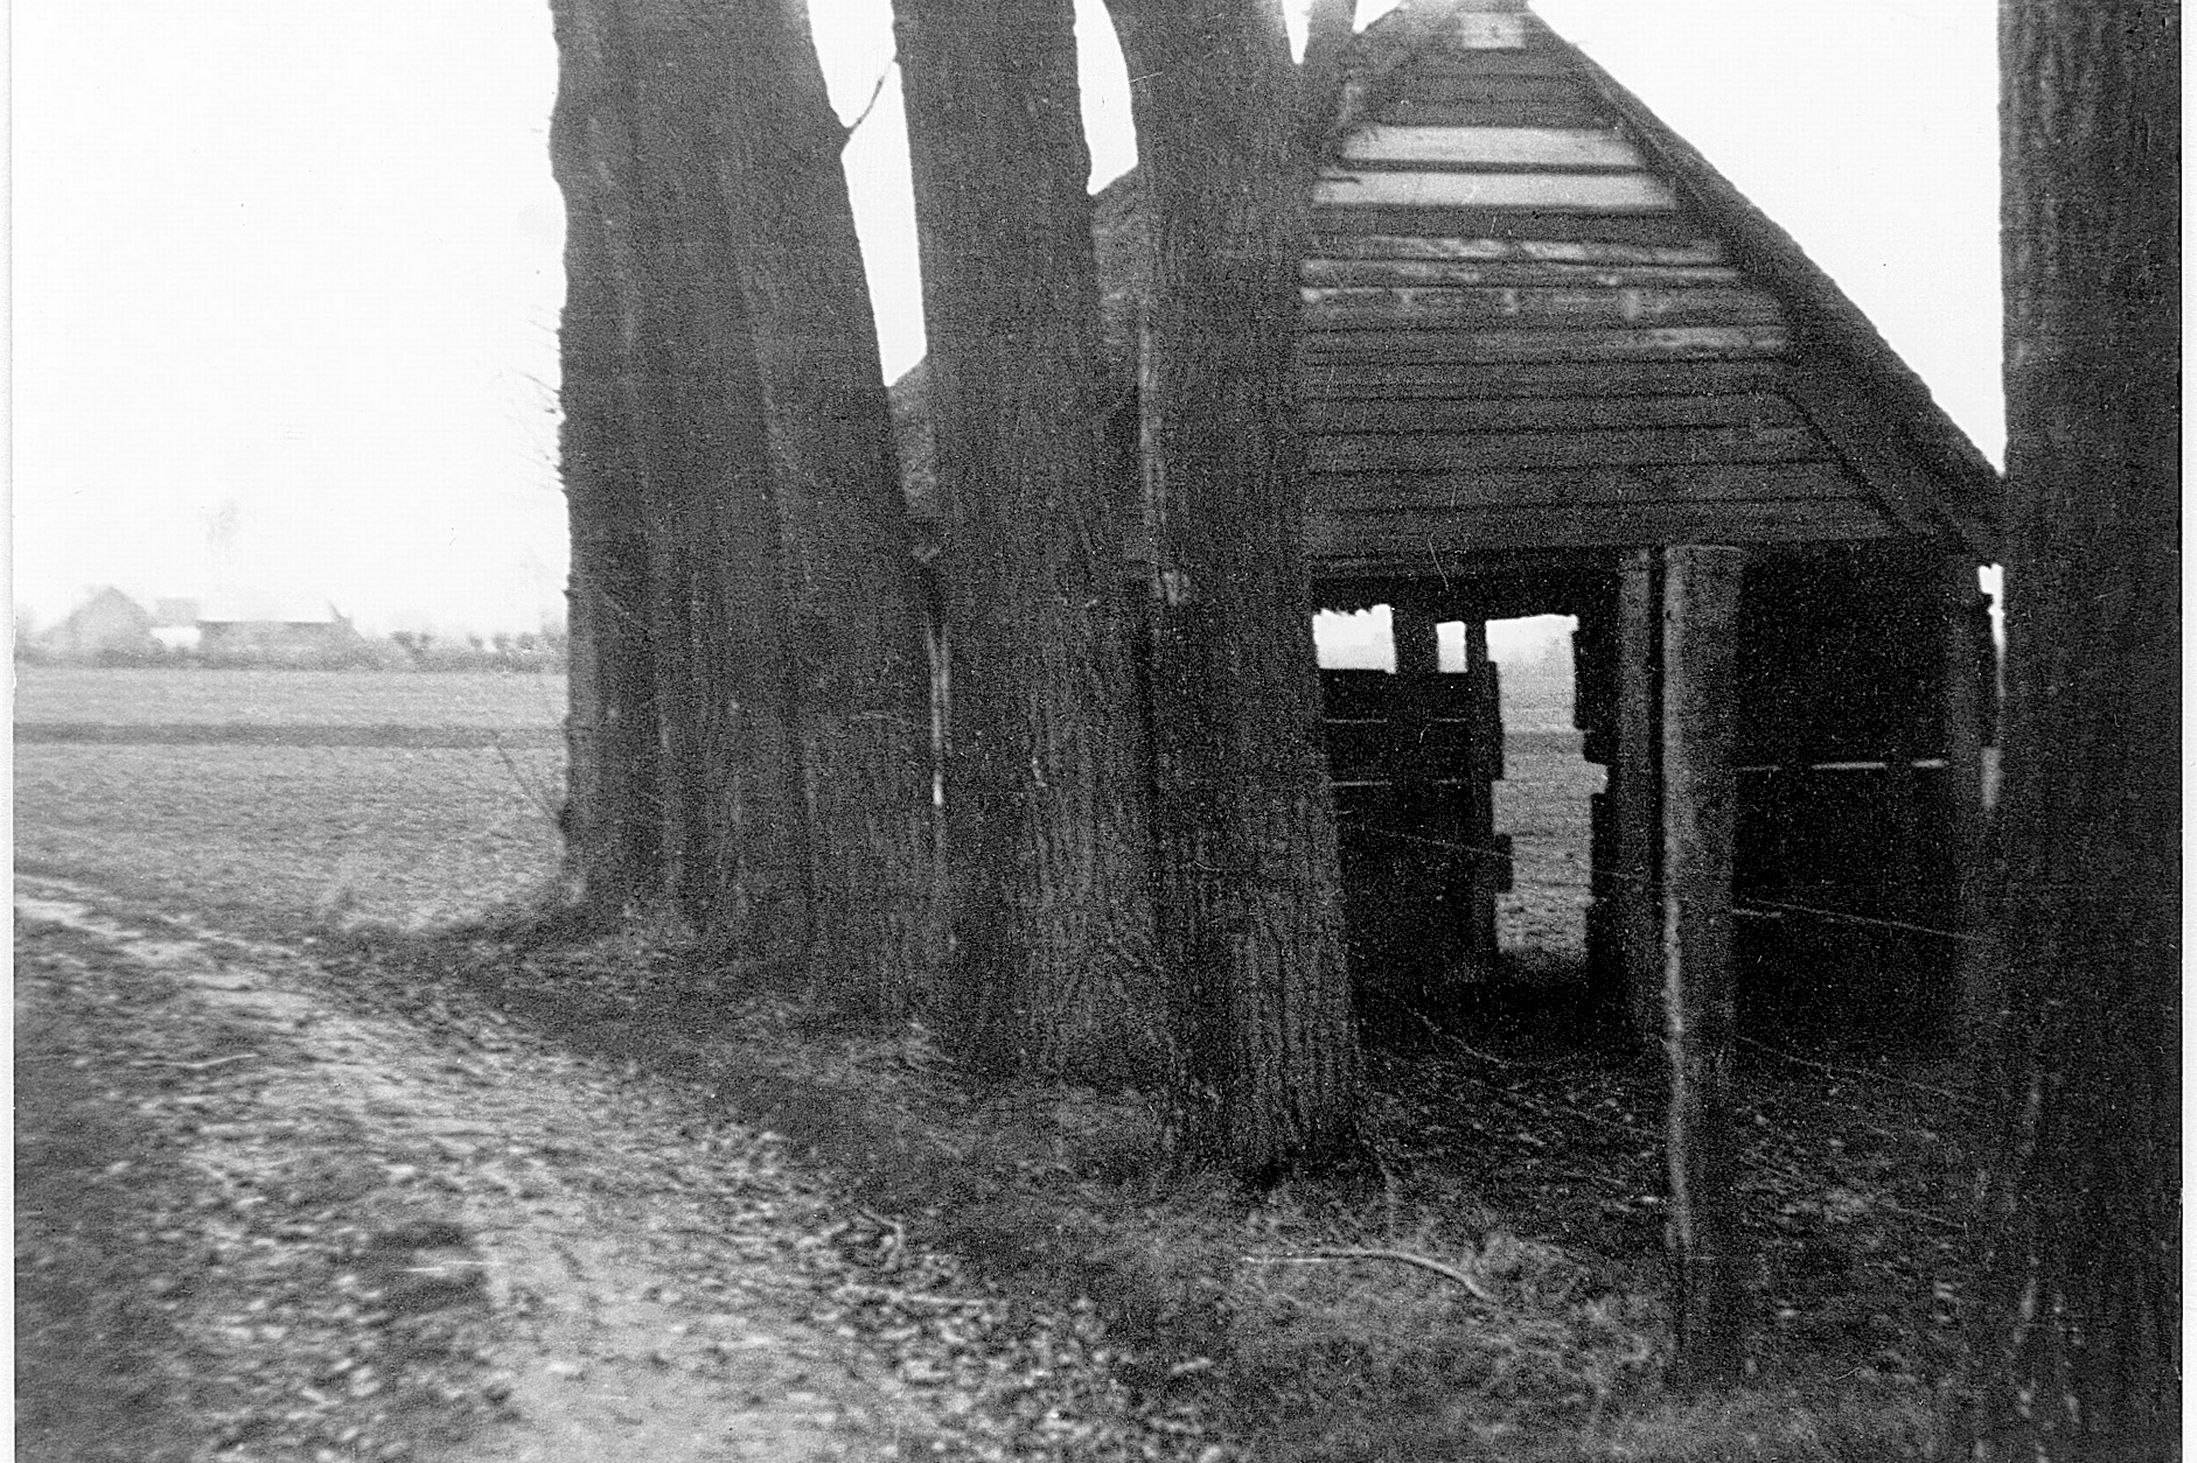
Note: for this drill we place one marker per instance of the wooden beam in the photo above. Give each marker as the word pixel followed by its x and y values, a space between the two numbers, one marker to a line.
pixel 1436 798
pixel 1485 32
pixel 1664 230
pixel 1429 86
pixel 1700 622
pixel 1976 990
pixel 1551 306
pixel 1427 541
pixel 1576 110
pixel 1324 416
pixel 1579 147
pixel 1633 192
pixel 1373 348
pixel 1491 875
pixel 1693 253
pixel 1462 456
pixel 1636 848
pixel 1506 273
pixel 1624 379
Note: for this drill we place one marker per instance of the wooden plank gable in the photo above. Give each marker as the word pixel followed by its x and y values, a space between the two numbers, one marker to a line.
pixel 1518 332
pixel 1536 320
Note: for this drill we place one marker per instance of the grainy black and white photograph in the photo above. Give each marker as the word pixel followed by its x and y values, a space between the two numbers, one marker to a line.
pixel 1210 731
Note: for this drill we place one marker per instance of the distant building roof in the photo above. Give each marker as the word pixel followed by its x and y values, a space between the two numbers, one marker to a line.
pixel 265 607
pixel 108 622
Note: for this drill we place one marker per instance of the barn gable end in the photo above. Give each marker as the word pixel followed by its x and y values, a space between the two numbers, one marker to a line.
pixel 1547 353
pixel 1535 318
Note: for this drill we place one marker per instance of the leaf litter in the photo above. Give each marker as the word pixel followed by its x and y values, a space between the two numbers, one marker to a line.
pixel 426 1233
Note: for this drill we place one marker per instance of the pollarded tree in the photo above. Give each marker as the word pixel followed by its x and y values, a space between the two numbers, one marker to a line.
pixel 2075 1342
pixel 1249 910
pixel 1045 833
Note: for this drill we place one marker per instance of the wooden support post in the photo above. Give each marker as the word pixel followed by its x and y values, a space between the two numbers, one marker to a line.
pixel 1700 793
pixel 1490 872
pixel 1634 913
pixel 1434 874
pixel 1965 687
pixel 1418 645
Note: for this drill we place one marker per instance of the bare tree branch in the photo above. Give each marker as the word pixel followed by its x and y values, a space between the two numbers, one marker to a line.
pixel 1400 1257
pixel 870 106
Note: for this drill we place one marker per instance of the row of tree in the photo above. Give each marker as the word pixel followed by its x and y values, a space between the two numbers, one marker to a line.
pixel 752 727
pixel 752 733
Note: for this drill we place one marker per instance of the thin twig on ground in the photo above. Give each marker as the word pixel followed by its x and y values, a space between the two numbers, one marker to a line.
pixel 1401 1257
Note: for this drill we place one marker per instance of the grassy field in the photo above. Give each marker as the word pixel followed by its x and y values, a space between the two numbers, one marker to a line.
pixel 1542 804
pixel 262 801
pixel 413 799
pixel 235 794
pixel 64 695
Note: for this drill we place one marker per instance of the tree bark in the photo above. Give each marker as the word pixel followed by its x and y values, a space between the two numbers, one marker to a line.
pixel 1249 910
pixel 1699 807
pixel 1045 813
pixel 732 770
pixel 781 630
pixel 2075 1334
pixel 612 814
pixel 1328 28
pixel 854 604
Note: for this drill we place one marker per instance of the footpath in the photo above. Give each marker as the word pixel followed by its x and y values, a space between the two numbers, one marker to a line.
pixel 259 1219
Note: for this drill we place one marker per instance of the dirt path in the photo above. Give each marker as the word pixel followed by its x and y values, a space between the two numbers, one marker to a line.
pixel 372 1239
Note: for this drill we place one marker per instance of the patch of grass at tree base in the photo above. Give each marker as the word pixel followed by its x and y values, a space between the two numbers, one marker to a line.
pixel 1059 1193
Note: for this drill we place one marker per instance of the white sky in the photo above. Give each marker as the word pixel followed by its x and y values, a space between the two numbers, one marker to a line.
pixel 295 267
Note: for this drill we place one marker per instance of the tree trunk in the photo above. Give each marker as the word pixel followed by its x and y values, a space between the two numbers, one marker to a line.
pixel 1045 814
pixel 1328 28
pixel 732 776
pixel 612 817
pixel 782 620
pixel 854 602
pixel 2075 1336
pixel 1249 910
pixel 685 775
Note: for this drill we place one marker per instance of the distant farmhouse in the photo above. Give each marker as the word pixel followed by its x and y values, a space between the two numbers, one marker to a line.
pixel 175 624
pixel 270 630
pixel 107 628
pixel 110 628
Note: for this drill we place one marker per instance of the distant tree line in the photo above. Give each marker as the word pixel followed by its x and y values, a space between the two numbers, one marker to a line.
pixel 526 651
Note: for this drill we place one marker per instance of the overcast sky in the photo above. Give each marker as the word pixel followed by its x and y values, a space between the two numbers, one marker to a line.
pixel 286 277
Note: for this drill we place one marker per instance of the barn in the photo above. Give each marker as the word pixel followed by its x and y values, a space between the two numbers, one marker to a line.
pixel 266 628
pixel 107 628
pixel 1551 362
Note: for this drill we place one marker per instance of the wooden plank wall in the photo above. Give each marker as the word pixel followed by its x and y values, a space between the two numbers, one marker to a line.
pixel 1863 687
pixel 1412 756
pixel 1516 336
pixel 1853 830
